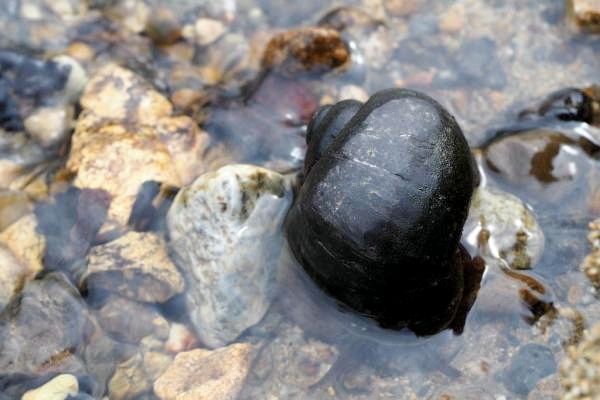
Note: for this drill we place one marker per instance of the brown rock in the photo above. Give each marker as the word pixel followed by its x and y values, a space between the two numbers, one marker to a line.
pixel 136 266
pixel 306 50
pixel 454 19
pixel 163 27
pixel 205 375
pixel 585 14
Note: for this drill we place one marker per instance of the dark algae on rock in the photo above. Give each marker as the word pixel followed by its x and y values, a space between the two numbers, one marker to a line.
pixel 378 219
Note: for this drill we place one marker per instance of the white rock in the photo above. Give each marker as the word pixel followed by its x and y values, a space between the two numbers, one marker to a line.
pixel 225 234
pixel 353 92
pixel 58 388
pixel 503 227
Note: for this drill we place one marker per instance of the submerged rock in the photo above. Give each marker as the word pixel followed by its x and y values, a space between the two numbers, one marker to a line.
pixel 205 375
pixel 528 366
pixel 60 388
pixel 503 227
pixel 44 328
pixel 225 233
pixel 378 219
pixel 136 266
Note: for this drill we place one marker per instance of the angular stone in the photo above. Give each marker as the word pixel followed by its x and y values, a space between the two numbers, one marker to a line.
pixel 136 266
pixel 225 234
pixel 125 136
pixel 44 329
pixel 59 388
pixel 205 375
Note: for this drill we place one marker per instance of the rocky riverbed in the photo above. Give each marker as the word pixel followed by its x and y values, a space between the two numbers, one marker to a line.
pixel 150 151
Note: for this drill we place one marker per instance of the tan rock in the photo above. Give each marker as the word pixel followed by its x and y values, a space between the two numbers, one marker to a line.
pixel 26 244
pixel 49 125
pixel 136 266
pixel 206 31
pixel 205 375
pixel 136 375
pixel 13 205
pixel 163 27
pixel 126 136
pixel 580 370
pixel 402 8
pixel 585 14
pixel 12 276
pixel 454 19
pixel 59 388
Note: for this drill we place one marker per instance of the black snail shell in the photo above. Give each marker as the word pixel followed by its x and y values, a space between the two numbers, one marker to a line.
pixel 378 219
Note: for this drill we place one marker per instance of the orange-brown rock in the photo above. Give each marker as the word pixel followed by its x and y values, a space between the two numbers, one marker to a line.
pixel 306 50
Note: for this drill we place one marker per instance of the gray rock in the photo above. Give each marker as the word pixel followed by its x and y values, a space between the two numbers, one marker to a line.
pixel 44 328
pixel 529 365
pixel 225 235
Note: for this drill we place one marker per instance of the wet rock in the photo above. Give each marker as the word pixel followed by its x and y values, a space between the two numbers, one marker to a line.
pixel 356 224
pixel 135 266
pixel 125 122
pixel 315 50
pixel 528 366
pixel 130 321
pixel 585 14
pixel 568 104
pixel 26 243
pixel 580 370
pixel 225 233
pixel 60 388
pixel 13 276
pixel 503 227
pixel 546 166
pixel 44 329
pixel 203 374
pixel 402 8
pixel 453 19
pixel 135 376
pixel 49 125
pixel 163 27
pixel 70 221
pixel 591 263
pixel 205 31
pixel 290 364
pixel 13 205
pixel 181 338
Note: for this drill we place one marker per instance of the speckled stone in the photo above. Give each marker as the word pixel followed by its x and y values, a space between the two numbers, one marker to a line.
pixel 225 233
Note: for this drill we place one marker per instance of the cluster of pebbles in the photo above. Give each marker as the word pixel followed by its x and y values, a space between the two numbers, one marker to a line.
pixel 149 153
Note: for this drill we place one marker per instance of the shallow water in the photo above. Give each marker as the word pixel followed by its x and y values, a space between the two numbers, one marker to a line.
pixel 484 61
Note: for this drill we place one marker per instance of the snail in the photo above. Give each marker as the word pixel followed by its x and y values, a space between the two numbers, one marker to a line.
pixel 377 221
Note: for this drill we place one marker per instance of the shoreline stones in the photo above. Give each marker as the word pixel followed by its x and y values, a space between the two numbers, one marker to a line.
pixel 378 219
pixel 225 236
